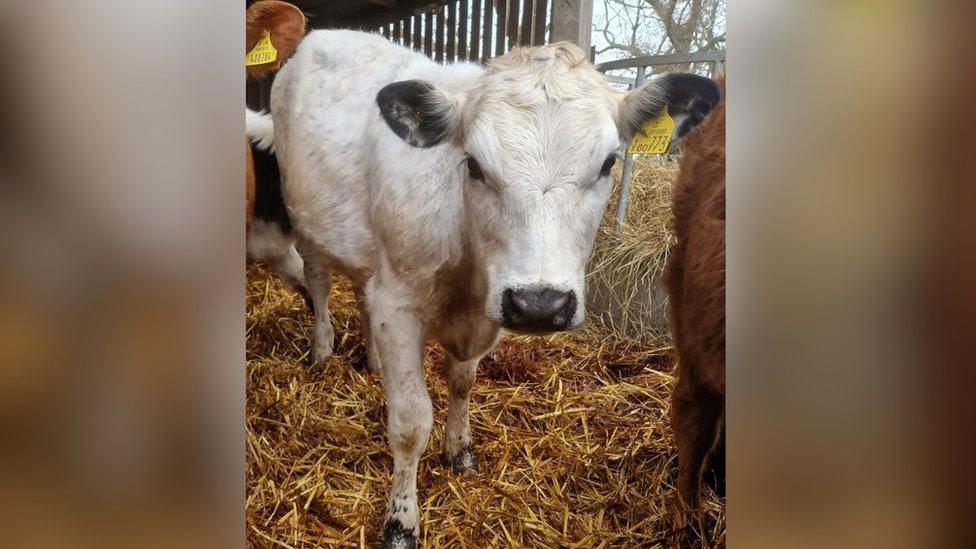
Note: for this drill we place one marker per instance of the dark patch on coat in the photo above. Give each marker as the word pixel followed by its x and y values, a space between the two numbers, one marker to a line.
pixel 416 112
pixel 685 95
pixel 269 204
pixel 692 96
pixel 465 459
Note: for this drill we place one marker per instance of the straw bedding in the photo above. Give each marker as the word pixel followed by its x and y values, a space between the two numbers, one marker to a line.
pixel 572 430
pixel 623 290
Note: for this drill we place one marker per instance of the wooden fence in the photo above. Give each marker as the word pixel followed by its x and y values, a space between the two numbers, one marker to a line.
pixel 471 30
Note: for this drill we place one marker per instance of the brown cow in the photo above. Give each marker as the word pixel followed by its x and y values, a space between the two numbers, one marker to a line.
pixel 286 25
pixel 695 280
pixel 269 238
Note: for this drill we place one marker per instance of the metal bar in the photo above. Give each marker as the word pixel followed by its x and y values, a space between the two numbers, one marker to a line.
pixel 539 25
pixel 452 30
pixel 386 31
pixel 462 38
pixel 627 169
pixel 501 6
pixel 629 82
pixel 474 54
pixel 429 33
pixel 668 59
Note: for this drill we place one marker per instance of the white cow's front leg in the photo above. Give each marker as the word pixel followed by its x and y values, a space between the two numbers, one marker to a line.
pixel 458 449
pixel 372 357
pixel 399 339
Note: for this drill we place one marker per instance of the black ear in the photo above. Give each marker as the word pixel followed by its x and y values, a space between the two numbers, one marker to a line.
pixel 688 97
pixel 418 112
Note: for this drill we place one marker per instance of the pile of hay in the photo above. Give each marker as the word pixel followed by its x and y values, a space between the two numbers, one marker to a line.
pixel 624 293
pixel 572 432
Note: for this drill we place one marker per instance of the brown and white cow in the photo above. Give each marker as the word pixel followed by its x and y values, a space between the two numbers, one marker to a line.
pixel 695 280
pixel 459 199
pixel 268 227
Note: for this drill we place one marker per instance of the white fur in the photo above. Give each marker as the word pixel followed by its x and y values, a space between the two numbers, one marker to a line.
pixel 433 249
pixel 260 129
pixel 267 243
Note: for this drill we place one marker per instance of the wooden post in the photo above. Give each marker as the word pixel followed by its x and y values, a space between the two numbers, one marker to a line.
pixel 418 33
pixel 429 33
pixel 572 21
pixel 486 30
pixel 501 6
pixel 525 29
pixel 539 25
pixel 452 33
pixel 462 31
pixel 439 35
pixel 474 54
pixel 513 24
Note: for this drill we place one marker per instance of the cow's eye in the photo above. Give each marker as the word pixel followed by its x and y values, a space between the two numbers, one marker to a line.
pixel 474 170
pixel 608 164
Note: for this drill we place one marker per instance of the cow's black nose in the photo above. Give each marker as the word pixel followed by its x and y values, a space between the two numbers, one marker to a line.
pixel 538 310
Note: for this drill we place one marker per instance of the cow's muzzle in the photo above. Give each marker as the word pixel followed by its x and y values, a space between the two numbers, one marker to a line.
pixel 538 310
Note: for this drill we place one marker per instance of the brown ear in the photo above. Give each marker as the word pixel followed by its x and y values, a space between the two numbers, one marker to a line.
pixel 285 22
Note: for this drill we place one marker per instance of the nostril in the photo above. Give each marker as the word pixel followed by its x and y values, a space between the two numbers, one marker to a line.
pixel 510 303
pixel 557 301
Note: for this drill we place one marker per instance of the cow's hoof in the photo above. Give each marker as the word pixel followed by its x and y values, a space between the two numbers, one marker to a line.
pixel 320 355
pixel 395 536
pixel 464 463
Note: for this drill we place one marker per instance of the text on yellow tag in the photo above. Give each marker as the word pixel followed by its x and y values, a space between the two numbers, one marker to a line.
pixel 262 52
pixel 654 135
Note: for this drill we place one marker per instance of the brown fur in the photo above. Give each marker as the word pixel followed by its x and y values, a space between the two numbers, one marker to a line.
pixel 287 26
pixel 248 185
pixel 695 281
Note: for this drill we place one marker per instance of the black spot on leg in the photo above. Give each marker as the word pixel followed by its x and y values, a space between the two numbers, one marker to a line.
pixel 465 461
pixel 395 536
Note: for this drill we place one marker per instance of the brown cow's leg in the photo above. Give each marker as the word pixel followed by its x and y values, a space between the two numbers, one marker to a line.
pixel 715 468
pixel 695 415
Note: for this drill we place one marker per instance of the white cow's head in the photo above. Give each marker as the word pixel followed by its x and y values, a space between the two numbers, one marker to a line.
pixel 540 130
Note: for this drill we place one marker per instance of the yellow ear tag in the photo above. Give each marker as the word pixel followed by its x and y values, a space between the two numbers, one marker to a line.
pixel 654 135
pixel 262 52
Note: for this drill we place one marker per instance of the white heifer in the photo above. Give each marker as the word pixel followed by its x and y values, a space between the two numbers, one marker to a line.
pixel 459 199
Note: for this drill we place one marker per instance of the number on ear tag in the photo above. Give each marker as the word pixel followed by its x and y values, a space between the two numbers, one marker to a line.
pixel 263 52
pixel 654 136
